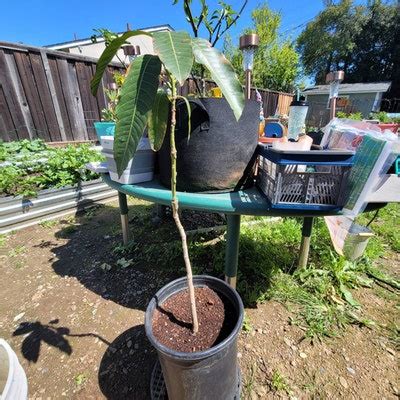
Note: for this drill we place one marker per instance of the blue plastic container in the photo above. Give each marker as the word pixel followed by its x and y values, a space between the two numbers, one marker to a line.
pixel 104 129
pixel 306 180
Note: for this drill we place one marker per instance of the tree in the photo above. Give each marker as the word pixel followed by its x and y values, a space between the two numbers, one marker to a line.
pixel 276 62
pixel 358 39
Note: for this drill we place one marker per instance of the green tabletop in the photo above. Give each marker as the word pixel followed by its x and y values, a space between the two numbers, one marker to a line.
pixel 244 202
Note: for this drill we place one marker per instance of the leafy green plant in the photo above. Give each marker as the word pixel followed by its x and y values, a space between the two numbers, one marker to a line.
pixel 109 113
pixel 357 116
pixel 278 382
pixel 141 101
pixel 33 166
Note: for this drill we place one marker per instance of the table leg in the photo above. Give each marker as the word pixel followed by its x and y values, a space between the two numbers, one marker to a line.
pixel 123 209
pixel 232 248
pixel 305 241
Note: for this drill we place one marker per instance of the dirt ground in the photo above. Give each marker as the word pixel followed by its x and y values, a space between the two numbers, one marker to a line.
pixel 78 331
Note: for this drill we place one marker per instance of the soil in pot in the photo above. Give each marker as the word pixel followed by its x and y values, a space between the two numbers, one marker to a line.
pixel 172 321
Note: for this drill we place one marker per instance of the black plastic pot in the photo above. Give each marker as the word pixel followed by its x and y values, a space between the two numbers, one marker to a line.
pixel 209 374
pixel 219 155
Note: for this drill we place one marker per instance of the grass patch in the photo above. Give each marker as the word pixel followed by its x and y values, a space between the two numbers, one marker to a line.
pixel 320 295
pixel 278 383
pixel 48 223
pixel 17 251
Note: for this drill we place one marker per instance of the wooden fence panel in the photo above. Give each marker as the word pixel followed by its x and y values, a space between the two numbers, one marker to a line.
pixel 46 94
pixel 45 97
pixel 12 100
pixel 60 98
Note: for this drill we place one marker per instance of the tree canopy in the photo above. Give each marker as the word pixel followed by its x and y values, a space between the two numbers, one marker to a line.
pixel 361 40
pixel 276 62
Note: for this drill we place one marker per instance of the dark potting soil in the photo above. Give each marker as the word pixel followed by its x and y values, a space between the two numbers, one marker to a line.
pixel 172 321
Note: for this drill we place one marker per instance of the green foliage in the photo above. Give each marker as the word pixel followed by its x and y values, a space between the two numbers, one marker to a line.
pixel 278 382
pixel 175 51
pixel 157 120
pixel 276 62
pixel 33 166
pixel 108 54
pixel 214 23
pixel 355 116
pixel 384 118
pixel 221 72
pixel 358 39
pixel 137 99
pixel 138 93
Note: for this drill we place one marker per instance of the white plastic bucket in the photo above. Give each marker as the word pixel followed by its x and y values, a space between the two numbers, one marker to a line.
pixel 13 383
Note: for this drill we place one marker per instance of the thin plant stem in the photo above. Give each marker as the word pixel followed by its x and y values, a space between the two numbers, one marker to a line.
pixel 175 208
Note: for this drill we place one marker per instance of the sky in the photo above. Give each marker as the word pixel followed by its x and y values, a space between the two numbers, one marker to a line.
pixel 45 22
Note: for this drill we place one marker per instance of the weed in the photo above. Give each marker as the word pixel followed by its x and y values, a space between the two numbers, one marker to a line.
pixel 249 381
pixel 50 223
pixel 278 383
pixel 247 327
pixel 3 240
pixel 19 264
pixel 17 250
pixel 80 379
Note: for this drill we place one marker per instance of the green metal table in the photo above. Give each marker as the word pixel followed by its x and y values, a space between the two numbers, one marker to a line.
pixel 232 204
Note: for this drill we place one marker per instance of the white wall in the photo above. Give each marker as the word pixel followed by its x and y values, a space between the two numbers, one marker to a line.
pixel 95 49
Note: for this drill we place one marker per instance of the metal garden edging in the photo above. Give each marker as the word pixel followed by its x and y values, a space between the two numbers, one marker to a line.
pixel 19 212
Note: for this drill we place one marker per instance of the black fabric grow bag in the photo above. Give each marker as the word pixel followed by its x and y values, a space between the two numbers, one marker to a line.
pixel 220 153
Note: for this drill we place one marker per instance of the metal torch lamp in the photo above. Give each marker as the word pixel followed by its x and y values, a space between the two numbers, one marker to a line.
pixel 334 78
pixel 248 44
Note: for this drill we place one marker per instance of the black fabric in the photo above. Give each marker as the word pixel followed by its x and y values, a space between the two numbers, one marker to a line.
pixel 219 153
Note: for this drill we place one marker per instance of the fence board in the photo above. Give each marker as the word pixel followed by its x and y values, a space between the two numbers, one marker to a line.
pixel 45 97
pixel 72 97
pixel 32 95
pixel 12 99
pixel 60 97
pixel 53 93
pixel 89 104
pixel 7 128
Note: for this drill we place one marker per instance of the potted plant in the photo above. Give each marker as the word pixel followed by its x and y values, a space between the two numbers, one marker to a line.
pixel 385 122
pixel 193 322
pixel 108 115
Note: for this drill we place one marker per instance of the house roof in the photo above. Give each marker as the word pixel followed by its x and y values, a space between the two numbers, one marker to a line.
pixel 373 87
pixel 82 42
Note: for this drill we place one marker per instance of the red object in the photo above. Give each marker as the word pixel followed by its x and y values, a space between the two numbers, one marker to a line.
pixel 393 127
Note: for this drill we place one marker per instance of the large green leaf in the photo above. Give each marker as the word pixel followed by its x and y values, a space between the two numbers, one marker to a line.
pixel 137 98
pixel 158 120
pixel 222 73
pixel 107 55
pixel 175 52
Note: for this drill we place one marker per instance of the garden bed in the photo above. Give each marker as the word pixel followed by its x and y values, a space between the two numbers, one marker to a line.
pixel 38 182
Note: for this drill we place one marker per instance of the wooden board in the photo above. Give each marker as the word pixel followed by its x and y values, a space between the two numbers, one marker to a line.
pixel 12 100
pixel 45 96
pixel 7 128
pixel 60 97
pixel 24 66
pixel 72 98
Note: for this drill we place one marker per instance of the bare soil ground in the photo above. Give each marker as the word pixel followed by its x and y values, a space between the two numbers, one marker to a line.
pixel 75 319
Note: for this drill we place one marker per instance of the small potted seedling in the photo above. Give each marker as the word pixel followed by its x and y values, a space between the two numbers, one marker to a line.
pixel 193 322
pixel 108 115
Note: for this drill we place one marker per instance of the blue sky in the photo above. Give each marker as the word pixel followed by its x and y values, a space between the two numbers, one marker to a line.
pixel 44 22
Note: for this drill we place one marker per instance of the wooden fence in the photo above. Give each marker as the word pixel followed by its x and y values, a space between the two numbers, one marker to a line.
pixel 46 94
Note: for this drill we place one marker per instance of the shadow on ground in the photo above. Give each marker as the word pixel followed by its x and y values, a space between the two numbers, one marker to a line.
pixel 126 366
pixel 90 256
pixel 57 336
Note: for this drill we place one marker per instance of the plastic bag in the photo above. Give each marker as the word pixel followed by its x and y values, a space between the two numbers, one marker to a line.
pixel 348 238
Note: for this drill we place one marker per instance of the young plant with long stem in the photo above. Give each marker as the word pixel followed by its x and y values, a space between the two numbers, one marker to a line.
pixel 142 104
